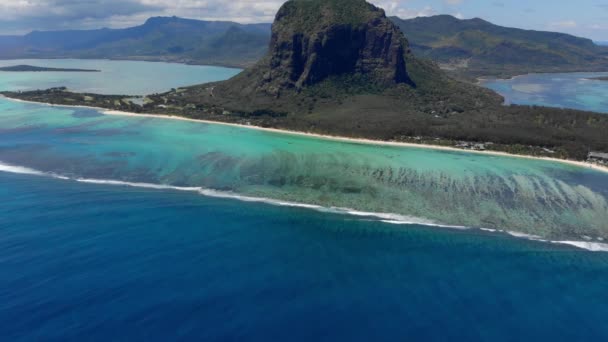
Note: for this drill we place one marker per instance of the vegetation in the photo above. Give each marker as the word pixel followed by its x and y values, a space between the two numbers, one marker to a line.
pixel 61 96
pixel 306 14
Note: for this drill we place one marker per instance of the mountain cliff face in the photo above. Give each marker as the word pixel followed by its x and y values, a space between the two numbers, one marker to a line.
pixel 313 40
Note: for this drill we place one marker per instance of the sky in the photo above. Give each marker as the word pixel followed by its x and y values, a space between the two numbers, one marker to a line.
pixel 586 18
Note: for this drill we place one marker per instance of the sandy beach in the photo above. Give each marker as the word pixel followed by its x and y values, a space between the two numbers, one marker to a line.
pixel 331 137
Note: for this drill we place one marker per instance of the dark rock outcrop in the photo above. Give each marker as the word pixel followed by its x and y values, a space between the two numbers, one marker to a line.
pixel 313 40
pixel 361 41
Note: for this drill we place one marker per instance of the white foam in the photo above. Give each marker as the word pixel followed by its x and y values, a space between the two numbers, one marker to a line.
pixel 19 169
pixel 135 185
pixel 383 217
pixel 590 246
pixel 414 220
pixel 524 236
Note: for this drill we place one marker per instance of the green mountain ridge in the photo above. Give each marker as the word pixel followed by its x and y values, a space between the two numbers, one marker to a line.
pixel 158 39
pixel 476 47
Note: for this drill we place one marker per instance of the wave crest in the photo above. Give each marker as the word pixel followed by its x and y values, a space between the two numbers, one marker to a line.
pixel 389 218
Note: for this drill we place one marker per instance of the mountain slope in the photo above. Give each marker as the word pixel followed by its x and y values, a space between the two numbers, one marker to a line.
pixel 477 47
pixel 160 38
pixel 325 52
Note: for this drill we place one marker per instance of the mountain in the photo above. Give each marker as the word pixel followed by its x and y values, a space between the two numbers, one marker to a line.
pixel 478 48
pixel 160 38
pixel 325 53
pixel 602 43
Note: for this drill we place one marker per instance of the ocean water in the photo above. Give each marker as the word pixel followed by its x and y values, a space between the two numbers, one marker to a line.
pixel 570 90
pixel 86 262
pixel 134 228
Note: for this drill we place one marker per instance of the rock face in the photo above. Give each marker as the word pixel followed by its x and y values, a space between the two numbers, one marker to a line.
pixel 316 39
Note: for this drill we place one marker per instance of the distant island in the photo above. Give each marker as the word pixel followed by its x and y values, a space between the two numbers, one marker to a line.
pixel 603 78
pixel 342 68
pixel 31 68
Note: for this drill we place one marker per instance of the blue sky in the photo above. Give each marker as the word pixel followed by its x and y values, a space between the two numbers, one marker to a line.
pixel 588 18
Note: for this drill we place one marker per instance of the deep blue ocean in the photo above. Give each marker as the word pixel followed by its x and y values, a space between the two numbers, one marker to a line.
pixel 86 260
pixel 83 262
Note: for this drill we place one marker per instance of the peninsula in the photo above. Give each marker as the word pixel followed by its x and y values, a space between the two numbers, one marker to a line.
pixel 342 68
pixel 599 78
pixel 31 68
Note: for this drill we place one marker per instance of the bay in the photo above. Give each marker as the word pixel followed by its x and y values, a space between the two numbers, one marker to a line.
pixel 570 90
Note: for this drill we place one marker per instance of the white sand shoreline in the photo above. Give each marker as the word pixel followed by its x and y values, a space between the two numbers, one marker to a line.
pixel 106 111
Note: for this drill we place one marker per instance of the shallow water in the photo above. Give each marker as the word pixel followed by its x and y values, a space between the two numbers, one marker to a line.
pixel 111 229
pixel 570 90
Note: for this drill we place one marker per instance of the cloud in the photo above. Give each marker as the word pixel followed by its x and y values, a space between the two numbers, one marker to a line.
pixel 566 24
pixel 70 9
pixel 51 14
pixel 398 8
pixel 21 16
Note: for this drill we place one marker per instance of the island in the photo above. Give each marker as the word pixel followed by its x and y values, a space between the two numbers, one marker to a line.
pixel 31 68
pixel 342 68
pixel 603 78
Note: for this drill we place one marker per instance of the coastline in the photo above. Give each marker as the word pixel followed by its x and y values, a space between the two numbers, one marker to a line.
pixel 106 111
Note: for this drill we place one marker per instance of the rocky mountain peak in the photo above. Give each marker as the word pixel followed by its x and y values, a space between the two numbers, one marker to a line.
pixel 313 40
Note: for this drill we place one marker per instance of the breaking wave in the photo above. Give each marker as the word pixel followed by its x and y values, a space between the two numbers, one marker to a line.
pixel 388 218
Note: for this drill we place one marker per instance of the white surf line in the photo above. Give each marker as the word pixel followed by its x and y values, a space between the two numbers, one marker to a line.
pixel 384 217
pixel 388 218
pixel 20 170
pixel 106 111
pixel 588 245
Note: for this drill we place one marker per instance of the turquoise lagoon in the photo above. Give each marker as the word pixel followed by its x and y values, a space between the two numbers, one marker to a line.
pixel 569 90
